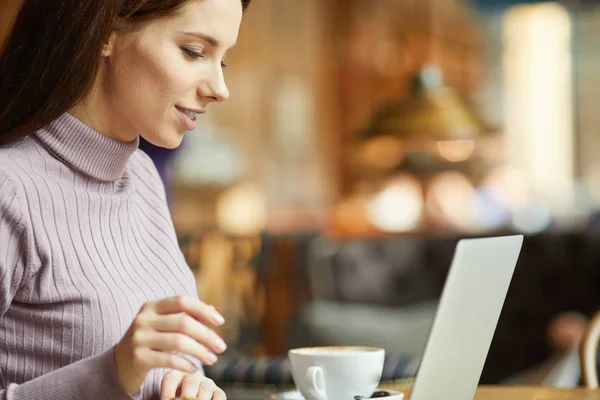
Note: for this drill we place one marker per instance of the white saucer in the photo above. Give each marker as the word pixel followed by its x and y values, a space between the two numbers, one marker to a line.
pixel 295 395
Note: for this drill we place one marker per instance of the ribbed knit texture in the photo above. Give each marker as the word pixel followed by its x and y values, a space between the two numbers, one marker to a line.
pixel 86 238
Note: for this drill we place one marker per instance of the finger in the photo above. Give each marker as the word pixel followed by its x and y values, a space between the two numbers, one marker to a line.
pixel 169 342
pixel 192 306
pixel 170 384
pixel 183 323
pixel 206 390
pixel 159 359
pixel 191 386
pixel 219 395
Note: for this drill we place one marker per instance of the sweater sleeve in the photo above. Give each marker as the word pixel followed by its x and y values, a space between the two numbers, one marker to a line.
pixel 91 378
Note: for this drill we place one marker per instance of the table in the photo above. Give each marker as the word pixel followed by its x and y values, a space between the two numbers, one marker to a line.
pixel 526 393
pixel 483 393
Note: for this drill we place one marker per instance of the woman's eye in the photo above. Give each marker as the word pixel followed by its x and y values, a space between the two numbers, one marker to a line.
pixel 191 53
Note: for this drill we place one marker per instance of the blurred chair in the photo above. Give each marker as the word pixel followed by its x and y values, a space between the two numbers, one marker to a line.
pixel 589 354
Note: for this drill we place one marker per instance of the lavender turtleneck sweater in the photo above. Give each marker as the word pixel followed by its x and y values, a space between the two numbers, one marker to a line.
pixel 86 238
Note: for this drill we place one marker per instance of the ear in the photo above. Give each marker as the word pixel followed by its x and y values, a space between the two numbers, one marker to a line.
pixel 108 48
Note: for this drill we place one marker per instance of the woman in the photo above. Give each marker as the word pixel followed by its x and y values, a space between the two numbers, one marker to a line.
pixel 96 300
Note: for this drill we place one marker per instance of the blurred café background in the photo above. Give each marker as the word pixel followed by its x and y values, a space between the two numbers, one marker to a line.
pixel 321 204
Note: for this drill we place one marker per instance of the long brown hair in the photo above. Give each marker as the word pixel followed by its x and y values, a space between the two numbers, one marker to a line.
pixel 52 54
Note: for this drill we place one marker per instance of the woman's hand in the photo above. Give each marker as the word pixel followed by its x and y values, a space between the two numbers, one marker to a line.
pixel 163 328
pixel 177 384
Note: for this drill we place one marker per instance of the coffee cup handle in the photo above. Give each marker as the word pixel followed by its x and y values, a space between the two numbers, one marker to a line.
pixel 317 382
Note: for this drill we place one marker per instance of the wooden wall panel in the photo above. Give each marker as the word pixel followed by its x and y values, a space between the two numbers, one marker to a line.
pixel 8 12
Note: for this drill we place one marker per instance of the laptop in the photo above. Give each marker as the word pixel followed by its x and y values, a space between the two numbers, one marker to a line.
pixel 466 319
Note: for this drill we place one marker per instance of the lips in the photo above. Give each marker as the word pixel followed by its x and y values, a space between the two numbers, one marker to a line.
pixel 188 117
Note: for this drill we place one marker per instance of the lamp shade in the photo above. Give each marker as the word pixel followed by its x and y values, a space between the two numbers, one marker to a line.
pixel 432 111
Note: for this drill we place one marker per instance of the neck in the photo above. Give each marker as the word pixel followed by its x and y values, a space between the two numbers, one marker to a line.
pixel 94 111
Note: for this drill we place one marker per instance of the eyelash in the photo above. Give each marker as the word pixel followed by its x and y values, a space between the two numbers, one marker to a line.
pixel 195 55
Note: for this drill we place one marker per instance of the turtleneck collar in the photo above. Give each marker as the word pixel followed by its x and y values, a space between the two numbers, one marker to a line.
pixel 85 149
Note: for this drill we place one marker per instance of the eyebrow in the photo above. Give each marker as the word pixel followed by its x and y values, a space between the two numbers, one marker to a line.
pixel 206 37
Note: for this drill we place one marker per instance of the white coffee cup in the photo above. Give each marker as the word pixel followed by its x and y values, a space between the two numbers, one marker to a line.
pixel 336 373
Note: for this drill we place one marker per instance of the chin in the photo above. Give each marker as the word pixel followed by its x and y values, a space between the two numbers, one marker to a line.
pixel 174 143
pixel 169 141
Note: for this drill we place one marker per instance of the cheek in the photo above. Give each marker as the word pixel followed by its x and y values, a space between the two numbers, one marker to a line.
pixel 154 79
pixel 168 72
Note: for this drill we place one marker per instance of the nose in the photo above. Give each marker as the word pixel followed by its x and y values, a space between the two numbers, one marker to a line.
pixel 215 87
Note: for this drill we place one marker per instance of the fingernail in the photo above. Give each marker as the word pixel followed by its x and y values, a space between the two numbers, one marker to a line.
pixel 220 344
pixel 212 358
pixel 217 318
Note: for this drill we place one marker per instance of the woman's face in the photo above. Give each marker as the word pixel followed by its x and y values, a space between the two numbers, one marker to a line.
pixel 155 81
